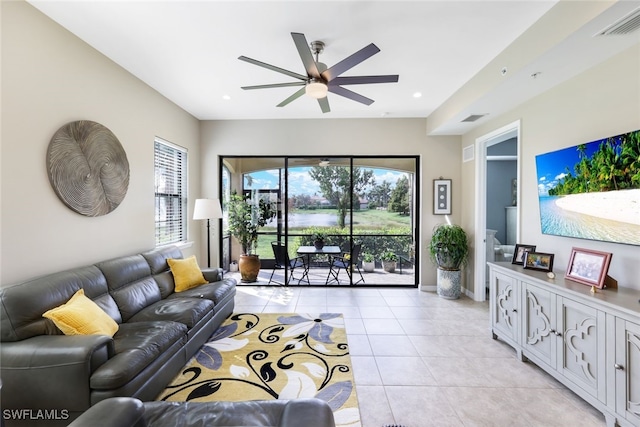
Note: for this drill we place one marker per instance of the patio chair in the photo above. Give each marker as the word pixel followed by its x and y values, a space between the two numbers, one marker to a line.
pixel 407 257
pixel 284 262
pixel 347 261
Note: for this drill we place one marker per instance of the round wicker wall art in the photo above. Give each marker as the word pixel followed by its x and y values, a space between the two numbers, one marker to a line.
pixel 88 168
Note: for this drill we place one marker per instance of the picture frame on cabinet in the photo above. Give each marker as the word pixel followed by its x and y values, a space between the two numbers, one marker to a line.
pixel 519 251
pixel 588 267
pixel 538 261
pixel 442 196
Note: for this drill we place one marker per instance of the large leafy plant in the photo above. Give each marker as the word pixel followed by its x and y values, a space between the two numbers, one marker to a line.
pixel 246 216
pixel 449 246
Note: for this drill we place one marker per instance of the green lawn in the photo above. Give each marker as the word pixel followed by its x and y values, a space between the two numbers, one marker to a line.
pixel 370 221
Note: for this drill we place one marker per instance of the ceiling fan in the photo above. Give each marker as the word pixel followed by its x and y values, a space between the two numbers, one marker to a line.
pixel 319 79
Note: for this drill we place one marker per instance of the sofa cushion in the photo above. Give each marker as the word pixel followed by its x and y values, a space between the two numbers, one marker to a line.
pixel 22 305
pixel 81 316
pixel 136 344
pixel 188 311
pixel 216 292
pixel 157 258
pixel 130 284
pixel 186 273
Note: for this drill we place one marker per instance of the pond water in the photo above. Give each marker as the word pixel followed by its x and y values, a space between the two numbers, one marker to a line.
pixel 304 220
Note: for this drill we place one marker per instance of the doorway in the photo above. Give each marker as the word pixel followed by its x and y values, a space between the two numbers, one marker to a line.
pixel 497 221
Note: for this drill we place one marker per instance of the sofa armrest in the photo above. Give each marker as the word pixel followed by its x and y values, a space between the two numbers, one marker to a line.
pixel 51 371
pixel 214 274
pixel 113 412
pixel 308 413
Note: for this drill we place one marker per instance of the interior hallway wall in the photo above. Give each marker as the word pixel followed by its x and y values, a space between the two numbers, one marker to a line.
pixel 603 101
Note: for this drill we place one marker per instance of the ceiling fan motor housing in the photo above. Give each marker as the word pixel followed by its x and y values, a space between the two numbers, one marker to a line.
pixel 317 47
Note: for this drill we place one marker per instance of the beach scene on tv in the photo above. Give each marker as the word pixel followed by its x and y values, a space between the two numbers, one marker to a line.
pixel 592 191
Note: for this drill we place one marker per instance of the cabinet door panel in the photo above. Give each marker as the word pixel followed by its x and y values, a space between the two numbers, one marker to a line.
pixel 538 333
pixel 628 370
pixel 505 311
pixel 581 355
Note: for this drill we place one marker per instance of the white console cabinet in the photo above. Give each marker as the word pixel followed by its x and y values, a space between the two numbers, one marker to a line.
pixel 588 341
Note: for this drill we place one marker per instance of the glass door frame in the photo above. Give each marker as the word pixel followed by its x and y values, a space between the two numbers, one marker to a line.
pixel 282 230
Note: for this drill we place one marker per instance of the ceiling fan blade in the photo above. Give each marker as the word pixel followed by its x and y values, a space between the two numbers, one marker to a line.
pixel 324 104
pixel 305 54
pixel 273 68
pixel 363 80
pixel 350 62
pixel 339 90
pixel 273 85
pixel 292 98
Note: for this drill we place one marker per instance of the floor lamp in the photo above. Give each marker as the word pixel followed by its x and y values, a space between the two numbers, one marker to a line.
pixel 207 209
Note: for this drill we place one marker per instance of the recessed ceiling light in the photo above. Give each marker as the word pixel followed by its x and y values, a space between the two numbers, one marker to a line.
pixel 226 97
pixel 417 95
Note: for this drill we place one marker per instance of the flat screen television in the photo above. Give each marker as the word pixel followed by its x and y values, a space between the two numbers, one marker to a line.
pixel 592 190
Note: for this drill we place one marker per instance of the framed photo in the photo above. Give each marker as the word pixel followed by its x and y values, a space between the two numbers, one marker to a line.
pixel 441 196
pixel 588 267
pixel 519 251
pixel 538 261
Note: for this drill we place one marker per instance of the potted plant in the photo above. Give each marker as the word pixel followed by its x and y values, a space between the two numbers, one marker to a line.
pixel 389 259
pixel 245 219
pixel 318 237
pixel 368 263
pixel 448 249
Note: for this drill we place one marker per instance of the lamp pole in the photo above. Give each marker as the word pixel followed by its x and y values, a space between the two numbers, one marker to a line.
pixel 208 244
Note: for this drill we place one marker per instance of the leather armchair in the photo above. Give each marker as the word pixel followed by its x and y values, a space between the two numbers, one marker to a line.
pixel 130 412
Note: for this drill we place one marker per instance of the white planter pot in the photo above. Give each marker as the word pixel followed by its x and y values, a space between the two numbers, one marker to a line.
pixel 449 283
pixel 368 267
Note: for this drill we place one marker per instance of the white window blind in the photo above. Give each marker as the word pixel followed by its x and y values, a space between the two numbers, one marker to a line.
pixel 170 193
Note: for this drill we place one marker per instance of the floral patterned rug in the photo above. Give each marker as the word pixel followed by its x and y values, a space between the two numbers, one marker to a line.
pixel 273 356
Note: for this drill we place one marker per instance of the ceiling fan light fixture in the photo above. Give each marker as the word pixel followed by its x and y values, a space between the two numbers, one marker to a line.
pixel 316 89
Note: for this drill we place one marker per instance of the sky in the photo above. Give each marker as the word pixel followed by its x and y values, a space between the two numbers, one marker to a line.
pixel 301 183
pixel 552 167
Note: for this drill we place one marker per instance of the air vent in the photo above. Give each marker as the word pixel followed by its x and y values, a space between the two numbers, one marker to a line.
pixel 467 153
pixel 625 25
pixel 473 118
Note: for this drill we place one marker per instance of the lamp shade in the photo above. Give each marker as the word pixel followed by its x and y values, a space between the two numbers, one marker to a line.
pixel 316 89
pixel 207 209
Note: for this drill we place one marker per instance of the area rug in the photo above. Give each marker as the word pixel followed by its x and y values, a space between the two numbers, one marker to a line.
pixel 273 356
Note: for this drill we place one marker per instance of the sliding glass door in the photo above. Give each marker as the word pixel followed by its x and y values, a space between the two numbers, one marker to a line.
pixel 362 206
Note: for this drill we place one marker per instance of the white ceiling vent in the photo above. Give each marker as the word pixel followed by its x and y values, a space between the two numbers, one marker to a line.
pixel 625 25
pixel 473 117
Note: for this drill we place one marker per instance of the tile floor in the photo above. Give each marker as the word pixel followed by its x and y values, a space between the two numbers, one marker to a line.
pixel 420 360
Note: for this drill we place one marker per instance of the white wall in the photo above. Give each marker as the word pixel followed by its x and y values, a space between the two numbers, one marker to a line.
pixel 50 78
pixel 440 156
pixel 603 101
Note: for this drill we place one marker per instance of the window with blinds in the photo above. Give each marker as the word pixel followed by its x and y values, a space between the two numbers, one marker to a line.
pixel 170 164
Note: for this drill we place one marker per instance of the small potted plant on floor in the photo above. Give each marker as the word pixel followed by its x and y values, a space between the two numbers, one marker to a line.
pixel 389 260
pixel 246 216
pixel 448 249
pixel 368 263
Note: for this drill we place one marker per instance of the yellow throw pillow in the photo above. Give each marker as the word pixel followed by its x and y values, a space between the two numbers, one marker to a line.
pixel 81 316
pixel 186 273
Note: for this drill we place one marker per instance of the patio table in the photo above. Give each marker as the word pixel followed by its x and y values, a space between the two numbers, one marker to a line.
pixel 307 251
